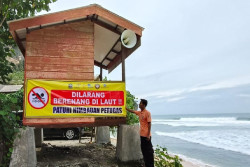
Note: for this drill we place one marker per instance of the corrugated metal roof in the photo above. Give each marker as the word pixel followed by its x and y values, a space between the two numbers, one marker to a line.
pixel 10 88
pixel 91 5
pixel 108 28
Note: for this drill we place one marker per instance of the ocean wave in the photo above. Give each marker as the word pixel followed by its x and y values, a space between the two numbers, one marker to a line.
pixel 214 119
pixel 170 119
pixel 232 140
pixel 243 119
pixel 190 124
pixel 202 121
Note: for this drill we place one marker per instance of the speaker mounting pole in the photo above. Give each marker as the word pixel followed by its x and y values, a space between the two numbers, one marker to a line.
pixel 124 54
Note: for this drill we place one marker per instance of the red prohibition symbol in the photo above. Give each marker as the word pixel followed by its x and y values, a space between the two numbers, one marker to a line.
pixel 38 97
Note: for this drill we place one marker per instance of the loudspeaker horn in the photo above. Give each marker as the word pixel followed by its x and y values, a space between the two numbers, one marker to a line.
pixel 128 39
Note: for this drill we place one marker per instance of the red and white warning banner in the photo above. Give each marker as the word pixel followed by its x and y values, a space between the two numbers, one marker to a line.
pixel 93 98
pixel 50 99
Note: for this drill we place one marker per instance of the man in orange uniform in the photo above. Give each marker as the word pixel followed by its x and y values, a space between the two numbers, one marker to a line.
pixel 145 133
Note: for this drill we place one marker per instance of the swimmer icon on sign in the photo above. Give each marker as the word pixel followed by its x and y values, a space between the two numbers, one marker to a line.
pixel 38 98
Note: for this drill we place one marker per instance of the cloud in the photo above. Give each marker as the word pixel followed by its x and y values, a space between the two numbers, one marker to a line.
pixel 164 94
pixel 178 94
pixel 231 83
pixel 175 99
pixel 244 95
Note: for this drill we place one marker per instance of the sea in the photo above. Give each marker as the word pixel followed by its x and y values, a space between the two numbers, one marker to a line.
pixel 212 140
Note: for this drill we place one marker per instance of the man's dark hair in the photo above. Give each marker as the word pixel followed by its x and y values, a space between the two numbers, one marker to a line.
pixel 145 102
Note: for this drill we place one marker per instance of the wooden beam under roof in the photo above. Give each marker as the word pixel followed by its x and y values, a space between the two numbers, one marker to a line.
pixel 114 51
pixel 110 50
pixel 100 65
pixel 19 42
pixel 117 60
pixel 105 25
pixel 109 59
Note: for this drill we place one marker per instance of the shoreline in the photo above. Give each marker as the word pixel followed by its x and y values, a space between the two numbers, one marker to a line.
pixel 191 162
pixel 185 162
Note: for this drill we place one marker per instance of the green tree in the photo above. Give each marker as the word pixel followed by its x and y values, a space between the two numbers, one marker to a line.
pixel 132 104
pixel 9 122
pixel 10 10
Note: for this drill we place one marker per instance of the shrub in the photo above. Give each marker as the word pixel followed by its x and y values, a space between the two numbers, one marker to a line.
pixel 163 159
pixel 9 126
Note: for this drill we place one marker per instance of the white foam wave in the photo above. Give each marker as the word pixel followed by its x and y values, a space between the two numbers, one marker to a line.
pixel 200 121
pixel 191 124
pixel 216 119
pixel 160 120
pixel 232 140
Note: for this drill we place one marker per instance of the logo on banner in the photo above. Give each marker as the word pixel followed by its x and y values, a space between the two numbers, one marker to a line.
pixel 70 86
pixel 97 86
pixel 38 98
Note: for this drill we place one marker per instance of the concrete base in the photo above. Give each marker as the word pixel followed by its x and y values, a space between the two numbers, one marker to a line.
pixel 128 143
pixel 38 136
pixel 102 134
pixel 24 152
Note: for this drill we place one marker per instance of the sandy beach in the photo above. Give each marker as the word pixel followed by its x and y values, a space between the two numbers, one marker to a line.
pixel 188 164
pixel 72 153
pixel 74 150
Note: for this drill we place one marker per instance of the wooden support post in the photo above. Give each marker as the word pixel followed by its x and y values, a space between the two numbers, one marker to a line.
pixel 100 73
pixel 92 132
pixel 124 52
pixel 80 135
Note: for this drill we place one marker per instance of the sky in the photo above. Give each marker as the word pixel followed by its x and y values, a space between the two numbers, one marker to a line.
pixel 194 57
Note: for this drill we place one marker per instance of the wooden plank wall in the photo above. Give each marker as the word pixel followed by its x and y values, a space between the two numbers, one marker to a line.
pixel 63 52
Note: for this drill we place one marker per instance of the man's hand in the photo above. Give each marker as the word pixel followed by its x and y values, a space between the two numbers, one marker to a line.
pixel 130 110
pixel 148 138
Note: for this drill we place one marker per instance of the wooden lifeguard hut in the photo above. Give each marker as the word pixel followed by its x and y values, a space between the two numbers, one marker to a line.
pixel 63 47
